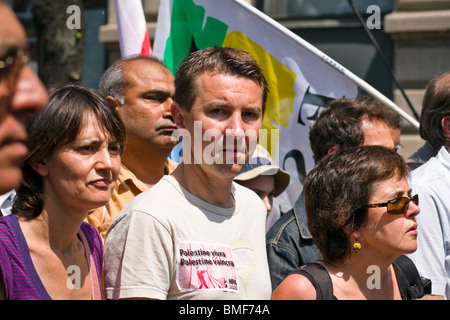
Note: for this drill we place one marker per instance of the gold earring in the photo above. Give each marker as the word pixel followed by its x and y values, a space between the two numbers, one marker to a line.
pixel 357 245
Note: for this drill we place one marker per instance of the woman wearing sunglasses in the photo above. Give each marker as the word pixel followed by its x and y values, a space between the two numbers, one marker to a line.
pixel 363 218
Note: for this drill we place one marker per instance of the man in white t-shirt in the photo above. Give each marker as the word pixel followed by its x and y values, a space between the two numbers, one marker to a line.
pixel 196 234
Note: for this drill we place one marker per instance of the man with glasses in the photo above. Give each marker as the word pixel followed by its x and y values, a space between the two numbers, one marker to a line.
pixel 21 94
pixel 342 124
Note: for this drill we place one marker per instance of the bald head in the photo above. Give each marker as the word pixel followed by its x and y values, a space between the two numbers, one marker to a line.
pixel 114 81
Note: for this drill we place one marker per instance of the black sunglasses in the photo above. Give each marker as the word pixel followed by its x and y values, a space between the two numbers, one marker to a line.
pixel 395 206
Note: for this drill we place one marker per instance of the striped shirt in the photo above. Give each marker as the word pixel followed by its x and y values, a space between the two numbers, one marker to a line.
pixel 20 278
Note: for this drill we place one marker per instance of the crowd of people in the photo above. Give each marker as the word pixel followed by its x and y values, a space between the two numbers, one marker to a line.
pixel 93 207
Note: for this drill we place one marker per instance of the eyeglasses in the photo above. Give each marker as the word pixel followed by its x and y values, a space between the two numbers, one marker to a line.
pixel 11 65
pixel 396 206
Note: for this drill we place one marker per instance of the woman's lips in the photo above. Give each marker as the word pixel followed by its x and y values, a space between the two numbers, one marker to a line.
pixel 101 182
pixel 413 229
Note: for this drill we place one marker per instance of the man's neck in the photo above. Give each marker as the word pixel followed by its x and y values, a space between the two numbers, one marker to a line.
pixel 213 191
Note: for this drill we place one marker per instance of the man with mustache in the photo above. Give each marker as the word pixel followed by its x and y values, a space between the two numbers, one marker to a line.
pixel 140 89
pixel 21 94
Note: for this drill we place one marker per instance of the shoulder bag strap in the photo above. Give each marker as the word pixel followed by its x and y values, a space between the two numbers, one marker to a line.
pixel 319 278
pixel 410 283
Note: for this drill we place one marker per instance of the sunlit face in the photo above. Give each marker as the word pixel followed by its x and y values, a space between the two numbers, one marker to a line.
pixel 231 106
pixel 387 233
pixel 21 92
pixel 396 135
pixel 377 133
pixel 264 187
pixel 146 109
pixel 82 174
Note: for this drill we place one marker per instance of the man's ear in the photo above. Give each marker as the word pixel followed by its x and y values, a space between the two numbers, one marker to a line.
pixel 113 102
pixel 445 122
pixel 40 166
pixel 178 115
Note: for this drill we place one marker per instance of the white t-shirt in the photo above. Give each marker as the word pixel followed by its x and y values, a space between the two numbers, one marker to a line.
pixel 168 244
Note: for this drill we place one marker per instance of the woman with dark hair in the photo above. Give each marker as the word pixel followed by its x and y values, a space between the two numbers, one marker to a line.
pixel 46 250
pixel 362 217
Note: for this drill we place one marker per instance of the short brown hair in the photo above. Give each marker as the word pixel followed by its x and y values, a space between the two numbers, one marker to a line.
pixel 340 123
pixel 435 106
pixel 221 60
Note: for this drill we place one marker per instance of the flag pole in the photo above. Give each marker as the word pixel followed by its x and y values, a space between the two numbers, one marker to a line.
pixel 376 94
pixel 377 47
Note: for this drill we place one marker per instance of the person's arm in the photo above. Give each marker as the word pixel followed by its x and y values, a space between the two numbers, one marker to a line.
pixel 282 261
pixel 295 287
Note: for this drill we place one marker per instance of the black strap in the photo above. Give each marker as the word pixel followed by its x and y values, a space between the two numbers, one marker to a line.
pixel 411 284
pixel 319 278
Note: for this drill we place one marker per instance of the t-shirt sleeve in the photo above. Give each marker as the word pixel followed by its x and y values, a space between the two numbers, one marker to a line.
pixel 138 258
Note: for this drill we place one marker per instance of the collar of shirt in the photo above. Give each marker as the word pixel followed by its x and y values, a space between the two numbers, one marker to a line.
pixel 127 180
pixel 6 202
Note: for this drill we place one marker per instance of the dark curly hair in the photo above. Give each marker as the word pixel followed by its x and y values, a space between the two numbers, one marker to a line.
pixel 336 189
